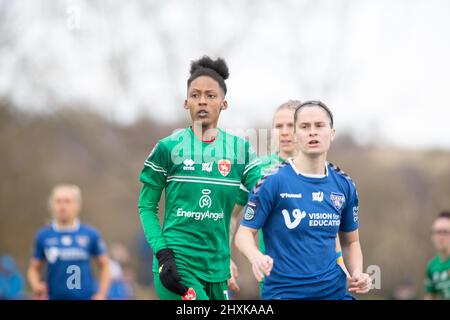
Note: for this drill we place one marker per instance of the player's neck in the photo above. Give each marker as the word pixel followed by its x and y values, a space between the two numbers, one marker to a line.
pixel 66 225
pixel 286 155
pixel 205 133
pixel 444 255
pixel 310 165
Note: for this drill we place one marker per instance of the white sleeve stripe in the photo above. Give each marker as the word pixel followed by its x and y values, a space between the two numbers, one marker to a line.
pixel 148 165
pixel 242 187
pixel 207 178
pixel 255 164
pixel 203 181
pixel 251 163
pixel 156 166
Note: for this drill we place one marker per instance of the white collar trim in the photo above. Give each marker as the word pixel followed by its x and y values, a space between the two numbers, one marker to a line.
pixel 309 175
pixel 74 227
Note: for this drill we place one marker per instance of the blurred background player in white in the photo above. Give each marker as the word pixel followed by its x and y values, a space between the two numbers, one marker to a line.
pixel 300 260
pixel 437 281
pixel 67 247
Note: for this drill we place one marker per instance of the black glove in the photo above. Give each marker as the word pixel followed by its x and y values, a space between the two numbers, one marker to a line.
pixel 168 273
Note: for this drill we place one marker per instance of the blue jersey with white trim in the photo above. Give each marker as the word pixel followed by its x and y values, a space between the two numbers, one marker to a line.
pixel 300 217
pixel 68 254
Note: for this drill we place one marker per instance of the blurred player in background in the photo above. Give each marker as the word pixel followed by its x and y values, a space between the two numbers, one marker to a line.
pixel 11 279
pixel 201 169
pixel 437 281
pixel 67 248
pixel 301 206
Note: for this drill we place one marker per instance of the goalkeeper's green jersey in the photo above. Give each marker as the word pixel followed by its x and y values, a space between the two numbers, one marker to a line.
pixel 201 181
pixel 437 281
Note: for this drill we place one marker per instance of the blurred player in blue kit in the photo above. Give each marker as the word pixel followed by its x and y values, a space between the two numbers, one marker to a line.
pixel 67 247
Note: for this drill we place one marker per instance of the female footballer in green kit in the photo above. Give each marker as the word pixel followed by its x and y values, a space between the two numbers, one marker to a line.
pixel 201 169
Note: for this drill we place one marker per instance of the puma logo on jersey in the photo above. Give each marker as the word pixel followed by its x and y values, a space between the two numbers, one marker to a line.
pixel 298 216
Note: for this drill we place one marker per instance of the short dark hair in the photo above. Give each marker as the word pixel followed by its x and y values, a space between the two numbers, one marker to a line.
pixel 205 66
pixel 444 214
pixel 314 103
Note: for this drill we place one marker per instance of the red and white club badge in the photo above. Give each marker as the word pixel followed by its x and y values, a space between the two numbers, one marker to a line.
pixel 224 167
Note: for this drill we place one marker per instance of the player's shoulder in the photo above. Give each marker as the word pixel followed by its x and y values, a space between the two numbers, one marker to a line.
pixel 341 176
pixel 174 138
pixel 433 263
pixel 267 160
pixel 273 176
pixel 44 231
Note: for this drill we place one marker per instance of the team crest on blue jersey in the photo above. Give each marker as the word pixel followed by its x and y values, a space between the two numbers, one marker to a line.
pixel 337 199
pixel 51 254
pixel 82 240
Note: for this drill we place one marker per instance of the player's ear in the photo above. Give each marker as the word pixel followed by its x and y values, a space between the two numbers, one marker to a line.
pixel 185 105
pixel 224 105
pixel 333 134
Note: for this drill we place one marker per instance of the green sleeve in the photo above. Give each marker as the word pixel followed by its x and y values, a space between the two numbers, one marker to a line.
pixel 148 212
pixel 153 176
pixel 156 167
pixel 251 174
pixel 242 197
pixel 429 286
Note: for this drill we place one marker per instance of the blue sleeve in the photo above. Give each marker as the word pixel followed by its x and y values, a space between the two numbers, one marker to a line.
pixel 98 246
pixel 260 204
pixel 38 251
pixel 349 218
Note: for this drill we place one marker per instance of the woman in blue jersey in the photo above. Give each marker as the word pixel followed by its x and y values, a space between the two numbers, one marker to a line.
pixel 67 248
pixel 301 207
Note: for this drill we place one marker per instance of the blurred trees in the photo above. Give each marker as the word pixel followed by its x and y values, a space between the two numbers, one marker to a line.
pixel 401 191
pixel 103 158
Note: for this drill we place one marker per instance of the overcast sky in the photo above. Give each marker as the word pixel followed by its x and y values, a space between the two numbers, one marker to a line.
pixel 382 66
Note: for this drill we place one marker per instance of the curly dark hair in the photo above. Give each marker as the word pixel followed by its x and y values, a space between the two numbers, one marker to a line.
pixel 205 66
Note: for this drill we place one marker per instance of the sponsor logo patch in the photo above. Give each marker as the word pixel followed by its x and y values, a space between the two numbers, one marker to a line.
pixel 205 199
pixel 317 196
pixel 249 213
pixel 207 166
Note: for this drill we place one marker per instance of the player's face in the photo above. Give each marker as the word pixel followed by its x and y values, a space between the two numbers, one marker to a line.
pixel 283 124
pixel 441 234
pixel 205 100
pixel 65 205
pixel 313 131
